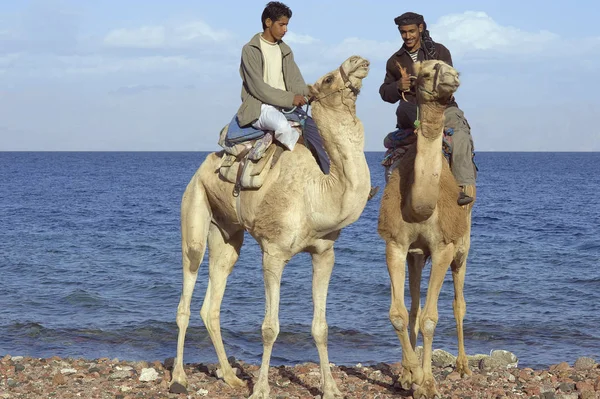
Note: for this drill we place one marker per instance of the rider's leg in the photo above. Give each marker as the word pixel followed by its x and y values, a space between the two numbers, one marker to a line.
pixel 273 119
pixel 462 165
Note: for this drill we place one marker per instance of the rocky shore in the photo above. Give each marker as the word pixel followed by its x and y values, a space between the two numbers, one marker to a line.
pixel 494 376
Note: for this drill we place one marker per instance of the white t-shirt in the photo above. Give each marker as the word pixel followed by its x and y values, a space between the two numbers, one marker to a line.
pixel 272 68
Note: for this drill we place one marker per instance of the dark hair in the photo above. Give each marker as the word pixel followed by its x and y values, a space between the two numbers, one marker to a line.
pixel 411 18
pixel 275 10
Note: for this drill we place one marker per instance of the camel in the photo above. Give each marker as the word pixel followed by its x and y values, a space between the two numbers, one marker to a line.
pixel 420 219
pixel 297 209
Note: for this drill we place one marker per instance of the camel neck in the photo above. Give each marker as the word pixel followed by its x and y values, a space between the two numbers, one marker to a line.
pixel 428 161
pixel 343 139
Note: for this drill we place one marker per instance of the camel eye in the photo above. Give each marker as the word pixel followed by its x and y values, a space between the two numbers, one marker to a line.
pixel 328 79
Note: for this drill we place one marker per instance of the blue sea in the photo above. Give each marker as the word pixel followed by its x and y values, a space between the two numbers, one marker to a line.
pixel 90 265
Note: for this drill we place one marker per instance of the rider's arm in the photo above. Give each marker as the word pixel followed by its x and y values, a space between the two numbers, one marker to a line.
pixel 389 89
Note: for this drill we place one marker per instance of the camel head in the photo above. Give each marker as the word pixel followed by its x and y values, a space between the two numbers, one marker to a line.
pixel 342 84
pixel 436 81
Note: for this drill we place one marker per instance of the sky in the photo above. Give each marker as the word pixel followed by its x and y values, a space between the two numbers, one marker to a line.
pixel 155 75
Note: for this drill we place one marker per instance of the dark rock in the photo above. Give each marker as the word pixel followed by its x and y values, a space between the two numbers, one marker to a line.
pixel 566 387
pixel 177 388
pixel 169 363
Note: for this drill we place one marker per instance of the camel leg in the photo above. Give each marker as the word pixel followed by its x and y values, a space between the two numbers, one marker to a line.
pixel 272 271
pixel 195 222
pixel 416 262
pixel 459 270
pixel 322 268
pixel 222 256
pixel 440 262
pixel 396 262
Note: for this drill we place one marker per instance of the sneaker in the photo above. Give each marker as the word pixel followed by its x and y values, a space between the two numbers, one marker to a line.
pixel 372 193
pixel 464 199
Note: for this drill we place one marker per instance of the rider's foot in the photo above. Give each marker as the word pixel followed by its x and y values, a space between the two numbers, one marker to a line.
pixel 464 199
pixel 373 191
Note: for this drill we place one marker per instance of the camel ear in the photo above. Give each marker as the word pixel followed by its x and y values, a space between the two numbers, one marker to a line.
pixel 417 68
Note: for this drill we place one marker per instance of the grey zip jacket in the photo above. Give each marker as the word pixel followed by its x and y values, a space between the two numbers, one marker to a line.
pixel 256 92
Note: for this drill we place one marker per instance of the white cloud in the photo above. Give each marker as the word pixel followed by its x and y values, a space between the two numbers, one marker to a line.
pixel 196 31
pixel 470 34
pixel 144 37
pixel 474 31
pixel 370 49
pixel 295 38
pixel 185 35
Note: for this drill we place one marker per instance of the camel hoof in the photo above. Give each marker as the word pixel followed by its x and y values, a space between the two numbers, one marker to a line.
pixel 259 395
pixel 336 394
pixel 177 388
pixel 236 383
pixel 426 391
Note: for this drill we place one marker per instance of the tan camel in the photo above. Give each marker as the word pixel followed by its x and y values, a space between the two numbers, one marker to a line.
pixel 297 209
pixel 420 219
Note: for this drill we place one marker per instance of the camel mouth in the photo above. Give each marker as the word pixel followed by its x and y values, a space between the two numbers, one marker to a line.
pixel 361 69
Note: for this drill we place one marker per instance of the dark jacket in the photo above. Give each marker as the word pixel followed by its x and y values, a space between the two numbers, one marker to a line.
pixel 256 92
pixel 389 89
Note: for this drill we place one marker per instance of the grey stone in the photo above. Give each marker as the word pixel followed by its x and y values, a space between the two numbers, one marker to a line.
pixel 441 358
pixel 507 358
pixel 585 363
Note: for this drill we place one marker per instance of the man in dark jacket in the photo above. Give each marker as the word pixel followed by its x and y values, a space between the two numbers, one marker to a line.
pixel 419 46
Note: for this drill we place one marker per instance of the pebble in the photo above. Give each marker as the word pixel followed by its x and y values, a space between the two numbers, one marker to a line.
pixel 68 371
pixel 119 375
pixel 58 379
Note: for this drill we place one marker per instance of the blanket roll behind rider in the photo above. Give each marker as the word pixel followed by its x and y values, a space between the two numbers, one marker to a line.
pixel 418 46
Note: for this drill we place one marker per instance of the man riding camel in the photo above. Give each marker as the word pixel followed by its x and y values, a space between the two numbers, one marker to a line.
pixel 398 86
pixel 272 82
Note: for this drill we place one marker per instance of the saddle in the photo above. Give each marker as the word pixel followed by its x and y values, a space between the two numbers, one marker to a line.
pixel 398 141
pixel 248 152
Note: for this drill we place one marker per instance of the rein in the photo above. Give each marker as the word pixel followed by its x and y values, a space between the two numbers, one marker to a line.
pixel 347 84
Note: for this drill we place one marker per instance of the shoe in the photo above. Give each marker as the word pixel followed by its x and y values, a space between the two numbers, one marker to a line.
pixel 464 199
pixel 372 193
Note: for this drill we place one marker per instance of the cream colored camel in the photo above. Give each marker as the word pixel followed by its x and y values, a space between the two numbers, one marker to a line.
pixel 420 219
pixel 298 209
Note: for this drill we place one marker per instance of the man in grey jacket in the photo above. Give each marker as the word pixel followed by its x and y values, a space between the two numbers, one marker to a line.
pixel 271 79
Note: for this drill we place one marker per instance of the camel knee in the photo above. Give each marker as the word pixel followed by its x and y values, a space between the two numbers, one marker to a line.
pixel 320 332
pixel 210 318
pixel 428 326
pixel 399 320
pixel 183 316
pixel 270 332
